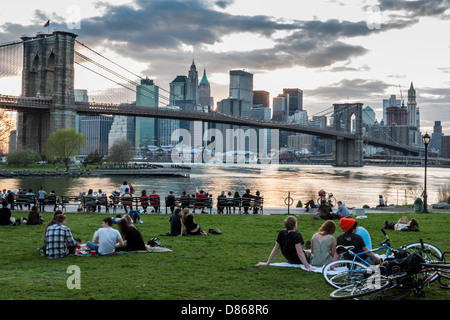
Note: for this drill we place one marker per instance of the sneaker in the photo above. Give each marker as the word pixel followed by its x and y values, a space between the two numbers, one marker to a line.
pixel 140 221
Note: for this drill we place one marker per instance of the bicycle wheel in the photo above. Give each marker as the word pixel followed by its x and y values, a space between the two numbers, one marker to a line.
pixel 341 273
pixel 429 251
pixel 369 288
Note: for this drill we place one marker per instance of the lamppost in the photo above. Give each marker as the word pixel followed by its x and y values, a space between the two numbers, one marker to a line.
pixel 426 141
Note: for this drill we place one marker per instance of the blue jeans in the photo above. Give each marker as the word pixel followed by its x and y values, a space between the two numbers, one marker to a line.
pixel 134 214
pixel 92 246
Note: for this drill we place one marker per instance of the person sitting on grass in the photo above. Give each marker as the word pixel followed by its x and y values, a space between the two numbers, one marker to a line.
pixel 192 228
pixel 350 238
pixel 106 239
pixel 323 245
pixel 176 223
pixel 58 240
pixel 290 242
pixel 5 215
pixel 34 217
pixel 132 238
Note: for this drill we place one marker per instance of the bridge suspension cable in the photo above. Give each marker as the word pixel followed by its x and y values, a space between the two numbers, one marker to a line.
pixel 82 59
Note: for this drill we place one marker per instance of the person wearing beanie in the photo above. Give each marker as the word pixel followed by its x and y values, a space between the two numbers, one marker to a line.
pixel 350 238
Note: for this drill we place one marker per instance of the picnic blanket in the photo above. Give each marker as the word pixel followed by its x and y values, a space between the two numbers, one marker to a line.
pixel 301 266
pixel 84 251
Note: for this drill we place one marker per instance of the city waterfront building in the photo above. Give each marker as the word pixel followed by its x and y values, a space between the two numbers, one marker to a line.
pixel 96 130
pixel 147 95
pixel 445 147
pixel 261 98
pixel 241 86
pixel 436 137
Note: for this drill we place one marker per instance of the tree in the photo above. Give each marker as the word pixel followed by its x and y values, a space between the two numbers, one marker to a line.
pixel 120 152
pixel 92 158
pixel 64 144
pixel 7 124
pixel 23 157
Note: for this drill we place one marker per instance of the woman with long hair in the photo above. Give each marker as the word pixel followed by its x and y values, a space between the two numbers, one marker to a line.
pixel 188 221
pixel 131 236
pixel 323 245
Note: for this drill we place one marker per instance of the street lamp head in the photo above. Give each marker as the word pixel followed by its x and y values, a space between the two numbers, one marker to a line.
pixel 426 139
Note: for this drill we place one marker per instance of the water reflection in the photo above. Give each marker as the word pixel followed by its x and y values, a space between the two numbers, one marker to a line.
pixel 354 186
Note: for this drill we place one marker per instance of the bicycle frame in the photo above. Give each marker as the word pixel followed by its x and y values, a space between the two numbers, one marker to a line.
pixel 389 249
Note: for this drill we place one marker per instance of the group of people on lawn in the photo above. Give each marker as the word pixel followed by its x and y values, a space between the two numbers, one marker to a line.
pixel 322 247
pixel 59 242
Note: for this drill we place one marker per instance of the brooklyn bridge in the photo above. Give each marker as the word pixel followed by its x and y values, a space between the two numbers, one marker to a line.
pixel 47 102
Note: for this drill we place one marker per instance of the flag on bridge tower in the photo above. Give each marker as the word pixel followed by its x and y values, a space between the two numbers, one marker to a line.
pixel 47 24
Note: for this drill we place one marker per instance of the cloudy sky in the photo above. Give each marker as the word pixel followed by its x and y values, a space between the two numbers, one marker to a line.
pixel 335 51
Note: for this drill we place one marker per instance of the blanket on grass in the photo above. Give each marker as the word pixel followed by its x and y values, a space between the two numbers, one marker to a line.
pixel 85 251
pixel 301 266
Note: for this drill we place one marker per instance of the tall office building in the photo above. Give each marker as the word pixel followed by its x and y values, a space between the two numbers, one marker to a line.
pixel 178 90
pixel 294 100
pixel 204 92
pixel 192 83
pixel 147 95
pixel 261 98
pixel 286 104
pixel 436 136
pixel 391 102
pixel 279 108
pixel 123 127
pixel 241 86
pixel 166 127
pixel 96 130
pixel 412 106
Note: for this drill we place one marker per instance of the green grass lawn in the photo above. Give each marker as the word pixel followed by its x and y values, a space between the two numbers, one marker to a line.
pixel 214 267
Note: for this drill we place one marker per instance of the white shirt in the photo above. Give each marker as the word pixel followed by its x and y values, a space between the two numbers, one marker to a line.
pixel 122 189
pixel 107 239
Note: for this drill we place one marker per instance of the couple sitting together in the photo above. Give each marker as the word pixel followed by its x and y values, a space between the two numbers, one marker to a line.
pixel 323 244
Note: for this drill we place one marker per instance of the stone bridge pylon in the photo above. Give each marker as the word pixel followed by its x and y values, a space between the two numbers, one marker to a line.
pixel 348 152
pixel 48 72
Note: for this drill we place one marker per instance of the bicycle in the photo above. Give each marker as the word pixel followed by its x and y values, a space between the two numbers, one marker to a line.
pixel 396 279
pixel 343 272
pixel 331 200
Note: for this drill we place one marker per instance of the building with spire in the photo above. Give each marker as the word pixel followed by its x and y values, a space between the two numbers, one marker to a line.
pixel 204 92
pixel 412 106
pixel 192 83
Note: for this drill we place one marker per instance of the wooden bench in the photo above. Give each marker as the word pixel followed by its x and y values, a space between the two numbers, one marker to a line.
pixel 52 199
pixel 227 204
pixel 253 203
pixel 25 199
pixel 74 200
pixel 189 202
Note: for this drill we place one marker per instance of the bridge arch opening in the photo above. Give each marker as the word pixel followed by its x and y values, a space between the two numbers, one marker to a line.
pixel 34 81
pixel 49 75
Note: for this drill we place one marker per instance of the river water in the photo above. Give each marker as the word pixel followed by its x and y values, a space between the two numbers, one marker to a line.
pixel 354 186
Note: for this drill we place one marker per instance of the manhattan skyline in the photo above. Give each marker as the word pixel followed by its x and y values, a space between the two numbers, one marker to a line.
pixel 335 51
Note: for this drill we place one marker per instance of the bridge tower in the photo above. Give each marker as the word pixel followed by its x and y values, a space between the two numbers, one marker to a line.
pixel 348 152
pixel 48 72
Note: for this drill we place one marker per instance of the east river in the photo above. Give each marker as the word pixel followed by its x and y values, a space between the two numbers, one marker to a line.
pixel 354 186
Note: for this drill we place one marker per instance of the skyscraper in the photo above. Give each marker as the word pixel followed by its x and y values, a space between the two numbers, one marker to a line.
pixel 412 106
pixel 204 92
pixel 261 98
pixel 192 83
pixel 241 86
pixel 147 95
pixel 294 100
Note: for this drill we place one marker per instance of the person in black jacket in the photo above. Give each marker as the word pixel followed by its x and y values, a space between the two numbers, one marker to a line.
pixel 131 236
